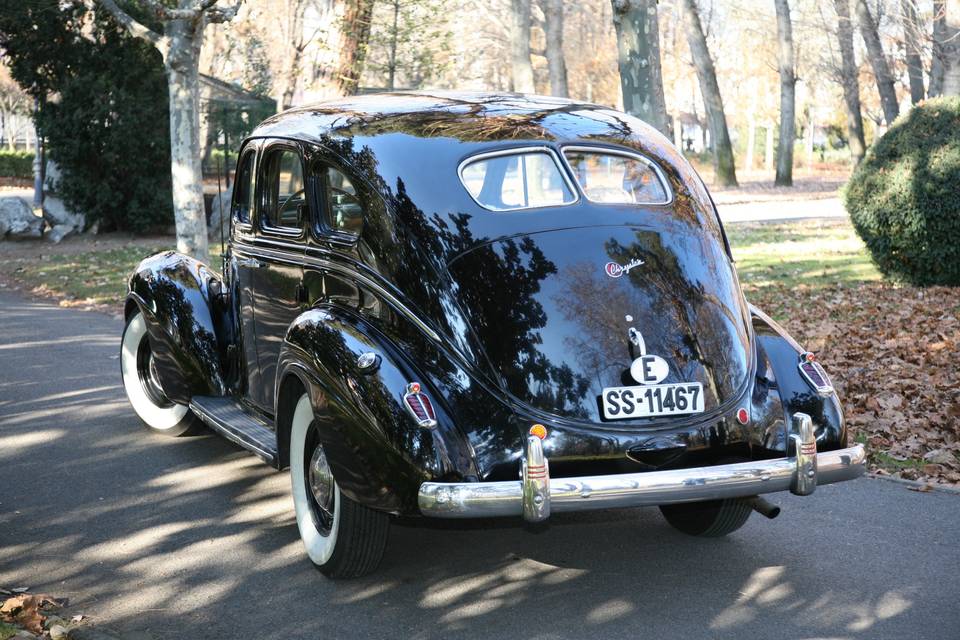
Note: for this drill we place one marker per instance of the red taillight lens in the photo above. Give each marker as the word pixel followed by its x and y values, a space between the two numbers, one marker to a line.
pixel 815 375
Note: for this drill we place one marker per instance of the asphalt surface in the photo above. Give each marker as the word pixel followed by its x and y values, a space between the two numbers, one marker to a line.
pixel 194 538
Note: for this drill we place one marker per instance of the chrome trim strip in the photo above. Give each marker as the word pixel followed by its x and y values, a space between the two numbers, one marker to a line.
pixel 804 440
pixel 562 169
pixel 613 151
pixel 505 498
pixel 300 258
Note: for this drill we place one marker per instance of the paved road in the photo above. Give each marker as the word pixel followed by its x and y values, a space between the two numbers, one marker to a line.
pixel 193 538
pixel 780 210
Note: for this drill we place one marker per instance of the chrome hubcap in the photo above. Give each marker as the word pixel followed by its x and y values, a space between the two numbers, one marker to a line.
pixel 321 481
pixel 149 378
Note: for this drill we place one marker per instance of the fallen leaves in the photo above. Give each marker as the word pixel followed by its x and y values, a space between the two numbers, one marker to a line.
pixel 893 353
pixel 26 610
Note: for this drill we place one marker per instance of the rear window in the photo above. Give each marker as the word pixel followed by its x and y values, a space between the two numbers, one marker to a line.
pixel 617 178
pixel 517 180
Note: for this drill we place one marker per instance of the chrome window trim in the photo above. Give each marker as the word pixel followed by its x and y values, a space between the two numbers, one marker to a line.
pixel 263 220
pixel 562 169
pixel 614 151
pixel 293 254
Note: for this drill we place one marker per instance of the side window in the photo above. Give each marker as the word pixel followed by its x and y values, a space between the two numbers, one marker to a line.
pixel 284 198
pixel 343 208
pixel 244 189
pixel 523 180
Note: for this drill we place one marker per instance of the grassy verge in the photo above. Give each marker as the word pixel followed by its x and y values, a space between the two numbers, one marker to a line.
pixel 96 278
pixel 809 254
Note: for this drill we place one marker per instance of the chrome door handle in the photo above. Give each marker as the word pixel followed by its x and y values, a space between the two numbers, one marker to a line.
pixel 251 263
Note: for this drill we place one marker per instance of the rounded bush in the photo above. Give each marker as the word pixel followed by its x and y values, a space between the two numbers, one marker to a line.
pixel 904 198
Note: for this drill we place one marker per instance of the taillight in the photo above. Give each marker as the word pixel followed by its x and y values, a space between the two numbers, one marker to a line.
pixel 814 374
pixel 419 406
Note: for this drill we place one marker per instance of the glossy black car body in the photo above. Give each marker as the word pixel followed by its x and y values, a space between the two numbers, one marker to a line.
pixel 506 318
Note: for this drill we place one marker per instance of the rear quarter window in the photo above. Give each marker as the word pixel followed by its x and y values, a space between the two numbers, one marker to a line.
pixel 617 177
pixel 517 179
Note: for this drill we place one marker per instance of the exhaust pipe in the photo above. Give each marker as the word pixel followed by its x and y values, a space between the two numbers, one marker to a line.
pixel 764 507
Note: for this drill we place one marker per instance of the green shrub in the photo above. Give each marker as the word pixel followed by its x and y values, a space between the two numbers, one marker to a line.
pixel 16 164
pixel 103 110
pixel 904 198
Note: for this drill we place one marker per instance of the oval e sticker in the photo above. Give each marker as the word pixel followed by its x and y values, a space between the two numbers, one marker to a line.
pixel 649 369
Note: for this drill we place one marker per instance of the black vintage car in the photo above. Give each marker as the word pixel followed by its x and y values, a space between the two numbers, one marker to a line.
pixel 470 305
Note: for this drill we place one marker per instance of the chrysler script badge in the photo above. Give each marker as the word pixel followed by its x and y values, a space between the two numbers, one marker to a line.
pixel 615 270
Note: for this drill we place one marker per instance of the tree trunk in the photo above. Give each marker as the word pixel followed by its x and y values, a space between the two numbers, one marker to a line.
pixel 788 88
pixel 638 56
pixel 556 66
pixel 354 35
pixel 768 149
pixel 392 60
pixel 726 174
pixel 182 62
pixel 935 88
pixel 878 60
pixel 520 66
pixel 849 80
pixel 950 45
pixel 911 42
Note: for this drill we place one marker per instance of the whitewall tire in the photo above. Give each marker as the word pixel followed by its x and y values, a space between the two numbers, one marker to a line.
pixel 142 385
pixel 342 538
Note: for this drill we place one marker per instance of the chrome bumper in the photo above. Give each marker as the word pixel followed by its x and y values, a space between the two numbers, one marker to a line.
pixel 536 495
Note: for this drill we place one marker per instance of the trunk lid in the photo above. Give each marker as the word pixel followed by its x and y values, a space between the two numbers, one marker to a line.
pixel 554 312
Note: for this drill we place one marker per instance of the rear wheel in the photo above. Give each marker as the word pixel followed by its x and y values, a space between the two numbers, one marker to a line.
pixel 140 381
pixel 710 519
pixel 343 539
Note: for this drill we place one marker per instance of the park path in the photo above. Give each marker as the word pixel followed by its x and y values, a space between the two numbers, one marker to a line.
pixel 194 538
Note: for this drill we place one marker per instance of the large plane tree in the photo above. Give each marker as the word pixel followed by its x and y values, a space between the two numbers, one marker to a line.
pixel 179 43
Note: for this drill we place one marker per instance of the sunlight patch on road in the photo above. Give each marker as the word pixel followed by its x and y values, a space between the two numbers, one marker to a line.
pixel 610 611
pixel 14 446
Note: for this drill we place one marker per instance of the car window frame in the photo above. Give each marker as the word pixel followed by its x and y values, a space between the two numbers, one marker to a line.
pixel 248 150
pixel 615 151
pixel 261 223
pixel 561 166
pixel 321 227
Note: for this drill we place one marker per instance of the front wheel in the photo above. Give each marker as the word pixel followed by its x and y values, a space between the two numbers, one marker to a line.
pixel 140 381
pixel 709 519
pixel 343 539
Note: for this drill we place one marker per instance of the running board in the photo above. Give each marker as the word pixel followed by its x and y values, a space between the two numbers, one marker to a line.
pixel 232 421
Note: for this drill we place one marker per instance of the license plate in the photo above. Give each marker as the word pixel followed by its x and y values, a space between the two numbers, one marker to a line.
pixel 652 400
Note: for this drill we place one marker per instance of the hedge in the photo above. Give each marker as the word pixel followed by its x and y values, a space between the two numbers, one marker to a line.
pixel 16 164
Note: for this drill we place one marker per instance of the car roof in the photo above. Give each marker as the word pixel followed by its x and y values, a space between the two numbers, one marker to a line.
pixel 409 145
pixel 474 116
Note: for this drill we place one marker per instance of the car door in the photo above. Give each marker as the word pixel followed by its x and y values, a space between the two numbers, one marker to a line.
pixel 276 262
pixel 242 240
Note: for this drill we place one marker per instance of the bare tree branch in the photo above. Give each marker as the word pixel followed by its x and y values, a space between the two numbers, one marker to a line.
pixel 134 27
pixel 221 14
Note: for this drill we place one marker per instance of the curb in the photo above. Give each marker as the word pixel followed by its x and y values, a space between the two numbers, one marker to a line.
pixel 917 484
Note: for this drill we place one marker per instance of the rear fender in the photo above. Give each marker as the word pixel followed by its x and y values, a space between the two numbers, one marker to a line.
pixel 379 455
pixel 177 296
pixel 796 394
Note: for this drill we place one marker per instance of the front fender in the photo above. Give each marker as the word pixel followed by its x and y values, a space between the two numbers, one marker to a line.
pixel 796 395
pixel 378 454
pixel 173 292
